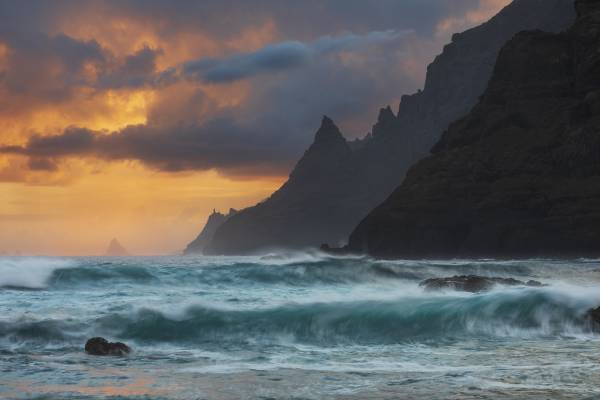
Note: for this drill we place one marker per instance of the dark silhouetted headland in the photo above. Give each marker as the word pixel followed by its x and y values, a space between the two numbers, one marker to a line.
pixel 520 174
pixel 337 183
pixel 214 221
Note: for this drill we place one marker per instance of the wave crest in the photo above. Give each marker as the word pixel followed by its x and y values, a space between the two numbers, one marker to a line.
pixel 518 313
pixel 29 273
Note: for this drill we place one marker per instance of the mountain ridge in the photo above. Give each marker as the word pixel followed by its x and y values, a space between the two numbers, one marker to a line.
pixel 329 192
pixel 520 174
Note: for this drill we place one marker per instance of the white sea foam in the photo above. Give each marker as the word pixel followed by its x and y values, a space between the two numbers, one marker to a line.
pixel 29 272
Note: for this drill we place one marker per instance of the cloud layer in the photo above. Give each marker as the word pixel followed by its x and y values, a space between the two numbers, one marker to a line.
pixel 280 56
pixel 245 103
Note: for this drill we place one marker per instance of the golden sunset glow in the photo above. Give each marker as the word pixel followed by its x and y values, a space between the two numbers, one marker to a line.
pixel 150 212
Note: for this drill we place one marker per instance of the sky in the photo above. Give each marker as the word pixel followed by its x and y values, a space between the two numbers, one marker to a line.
pixel 134 119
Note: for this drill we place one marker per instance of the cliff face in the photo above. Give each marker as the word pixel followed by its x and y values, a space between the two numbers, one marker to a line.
pixel 336 183
pixel 459 75
pixel 214 221
pixel 520 174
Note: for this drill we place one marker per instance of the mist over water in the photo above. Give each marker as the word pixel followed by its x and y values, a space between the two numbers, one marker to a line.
pixel 302 326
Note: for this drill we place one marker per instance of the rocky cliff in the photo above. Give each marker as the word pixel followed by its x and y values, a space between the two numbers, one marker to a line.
pixel 305 209
pixel 520 174
pixel 336 183
pixel 214 221
pixel 459 75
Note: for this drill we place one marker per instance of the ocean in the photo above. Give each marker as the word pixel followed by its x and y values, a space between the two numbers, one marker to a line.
pixel 295 326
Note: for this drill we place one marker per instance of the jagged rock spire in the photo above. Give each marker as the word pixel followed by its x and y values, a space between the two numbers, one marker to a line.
pixel 385 122
pixel 328 132
pixel 327 151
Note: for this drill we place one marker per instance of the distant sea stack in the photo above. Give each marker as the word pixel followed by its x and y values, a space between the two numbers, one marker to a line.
pixel 520 174
pixel 337 182
pixel 214 221
pixel 115 249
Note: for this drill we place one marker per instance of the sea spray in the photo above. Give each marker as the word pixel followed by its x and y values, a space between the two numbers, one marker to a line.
pixel 314 270
pixel 29 273
pixel 519 313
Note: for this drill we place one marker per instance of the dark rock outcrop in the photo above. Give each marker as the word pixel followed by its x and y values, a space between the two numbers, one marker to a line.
pixel 214 221
pixel 520 174
pixel 115 249
pixel 457 77
pixel 336 183
pixel 306 209
pixel 592 318
pixel 473 283
pixel 99 346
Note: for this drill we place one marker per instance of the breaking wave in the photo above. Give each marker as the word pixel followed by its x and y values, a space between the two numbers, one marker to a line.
pixel 525 313
pixel 284 269
pixel 335 301
pixel 60 274
pixel 29 273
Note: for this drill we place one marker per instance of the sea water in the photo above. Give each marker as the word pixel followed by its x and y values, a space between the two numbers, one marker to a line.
pixel 295 326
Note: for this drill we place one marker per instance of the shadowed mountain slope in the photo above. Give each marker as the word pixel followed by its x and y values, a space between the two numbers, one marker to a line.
pixel 336 183
pixel 520 174
pixel 214 221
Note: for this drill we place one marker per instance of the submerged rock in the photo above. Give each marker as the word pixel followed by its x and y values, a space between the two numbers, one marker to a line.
pixel 99 346
pixel 474 283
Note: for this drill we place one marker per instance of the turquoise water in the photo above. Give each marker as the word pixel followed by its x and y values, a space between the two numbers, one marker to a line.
pixel 295 326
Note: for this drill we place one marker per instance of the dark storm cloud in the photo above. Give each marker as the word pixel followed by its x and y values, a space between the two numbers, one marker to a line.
pixel 217 144
pixel 46 66
pixel 302 20
pixel 72 141
pixel 49 68
pixel 271 58
pixel 135 71
pixel 279 56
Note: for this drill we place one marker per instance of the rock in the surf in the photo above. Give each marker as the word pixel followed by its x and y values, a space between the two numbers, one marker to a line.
pixel 99 346
pixel 473 283
pixel 592 316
